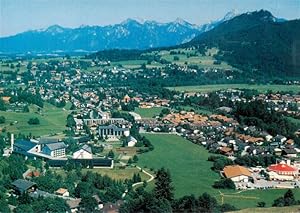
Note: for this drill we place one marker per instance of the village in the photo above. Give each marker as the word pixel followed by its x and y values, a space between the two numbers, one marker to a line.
pixel 104 128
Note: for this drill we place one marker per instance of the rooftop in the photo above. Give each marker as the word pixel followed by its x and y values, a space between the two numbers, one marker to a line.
pixel 23 185
pixel 282 167
pixel 236 170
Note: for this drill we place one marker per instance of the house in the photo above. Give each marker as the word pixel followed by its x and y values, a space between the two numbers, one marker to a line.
pixel 112 207
pixel 20 186
pixel 126 99
pixel 55 149
pixel 237 173
pixel 62 192
pixel 131 141
pixel 84 153
pixel 6 99
pixel 290 153
pixel 226 151
pixel 99 202
pixel 279 138
pixel 74 204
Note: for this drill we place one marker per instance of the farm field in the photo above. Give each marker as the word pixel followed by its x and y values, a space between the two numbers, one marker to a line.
pixel 52 120
pixel 260 88
pixel 191 173
pixel 148 113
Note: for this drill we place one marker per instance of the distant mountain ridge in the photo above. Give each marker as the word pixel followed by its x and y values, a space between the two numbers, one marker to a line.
pixel 129 34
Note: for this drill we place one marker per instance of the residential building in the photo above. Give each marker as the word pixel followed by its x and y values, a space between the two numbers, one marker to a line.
pixel 237 173
pixel 21 186
pixel 62 192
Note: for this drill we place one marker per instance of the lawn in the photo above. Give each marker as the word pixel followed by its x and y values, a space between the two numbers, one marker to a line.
pixel 191 173
pixel 260 88
pixel 148 113
pixel 52 120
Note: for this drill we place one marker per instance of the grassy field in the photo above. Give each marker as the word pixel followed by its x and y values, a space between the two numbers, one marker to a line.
pixel 52 120
pixel 289 209
pixel 131 64
pixel 260 88
pixel 198 110
pixel 186 162
pixel 191 173
pixel 115 173
pixel 148 113
pixel 204 61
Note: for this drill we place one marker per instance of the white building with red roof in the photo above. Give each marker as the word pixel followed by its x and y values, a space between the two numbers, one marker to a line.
pixel 282 171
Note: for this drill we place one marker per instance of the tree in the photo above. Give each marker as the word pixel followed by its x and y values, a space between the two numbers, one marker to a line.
pixel 83 189
pixel 163 185
pixel 23 208
pixel 70 121
pixel 261 204
pixel 289 198
pixel 207 203
pixel 111 154
pixel 224 184
pixel 135 158
pixel 34 121
pixel 2 119
pixel 88 204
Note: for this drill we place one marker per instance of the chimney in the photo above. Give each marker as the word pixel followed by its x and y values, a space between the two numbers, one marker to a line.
pixel 288 162
pixel 12 142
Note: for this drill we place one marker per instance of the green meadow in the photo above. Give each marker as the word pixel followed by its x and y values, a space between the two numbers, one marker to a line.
pixel 261 88
pixel 52 120
pixel 191 173
pixel 148 113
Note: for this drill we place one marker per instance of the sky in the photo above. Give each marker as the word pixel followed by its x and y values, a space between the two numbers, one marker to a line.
pixel 21 15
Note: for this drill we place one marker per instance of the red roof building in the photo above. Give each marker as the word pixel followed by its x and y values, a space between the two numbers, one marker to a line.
pixel 283 169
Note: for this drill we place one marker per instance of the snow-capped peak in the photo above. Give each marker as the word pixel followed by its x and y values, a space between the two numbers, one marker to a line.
pixel 231 14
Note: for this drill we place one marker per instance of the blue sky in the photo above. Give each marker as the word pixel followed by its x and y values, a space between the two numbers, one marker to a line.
pixel 21 15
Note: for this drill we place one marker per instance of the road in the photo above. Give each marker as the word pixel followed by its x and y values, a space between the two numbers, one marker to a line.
pixel 139 183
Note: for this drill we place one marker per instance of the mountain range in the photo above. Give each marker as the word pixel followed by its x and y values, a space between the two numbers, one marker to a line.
pixel 130 34
pixel 256 42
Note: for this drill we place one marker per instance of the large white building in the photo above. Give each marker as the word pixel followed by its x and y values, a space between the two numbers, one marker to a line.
pixel 43 148
pixel 113 132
